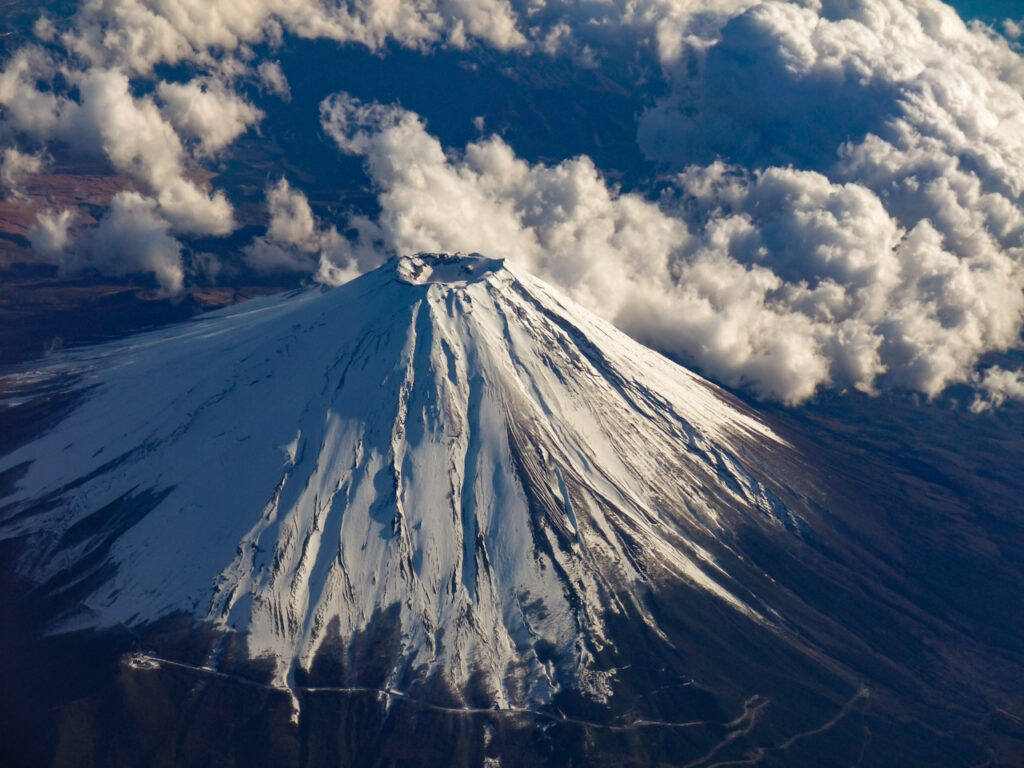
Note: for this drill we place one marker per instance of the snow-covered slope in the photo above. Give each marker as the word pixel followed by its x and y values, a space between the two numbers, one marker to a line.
pixel 444 444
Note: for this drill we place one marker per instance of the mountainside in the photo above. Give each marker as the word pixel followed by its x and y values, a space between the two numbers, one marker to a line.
pixel 444 436
pixel 446 484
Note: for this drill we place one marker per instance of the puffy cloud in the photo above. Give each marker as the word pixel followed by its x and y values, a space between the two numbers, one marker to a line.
pixel 885 302
pixel 137 35
pixel 901 99
pixel 50 236
pixel 846 207
pixel 272 78
pixel 131 132
pixel 26 107
pixel 207 111
pixel 563 218
pixel 296 242
pixel 132 238
pixel 782 279
pixel 996 386
pixel 15 166
pixel 140 142
pixel 898 99
pixel 79 87
pixel 107 118
pixel 813 76
pixel 291 218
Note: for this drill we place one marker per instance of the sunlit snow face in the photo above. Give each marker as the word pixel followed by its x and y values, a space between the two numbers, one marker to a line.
pixel 442 448
pixel 813 195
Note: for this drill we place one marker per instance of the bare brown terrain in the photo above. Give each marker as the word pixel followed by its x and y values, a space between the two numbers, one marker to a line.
pixel 44 307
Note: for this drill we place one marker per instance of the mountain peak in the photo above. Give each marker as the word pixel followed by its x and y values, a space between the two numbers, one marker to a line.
pixel 458 268
pixel 493 490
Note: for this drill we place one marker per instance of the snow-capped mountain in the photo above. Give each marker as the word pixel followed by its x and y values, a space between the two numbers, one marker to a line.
pixel 443 443
pixel 443 498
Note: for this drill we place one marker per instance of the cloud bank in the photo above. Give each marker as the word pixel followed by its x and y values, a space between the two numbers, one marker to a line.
pixel 131 132
pixel 89 82
pixel 841 202
pixel 137 35
pixel 779 279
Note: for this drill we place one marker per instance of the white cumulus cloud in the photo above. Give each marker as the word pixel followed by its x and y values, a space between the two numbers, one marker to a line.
pixel 782 280
pixel 295 241
pixel 138 35
pixel 272 78
pixel 107 118
pixel 15 166
pixel 131 238
pixel 50 235
pixel 845 201
pixel 997 385
pixel 208 111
